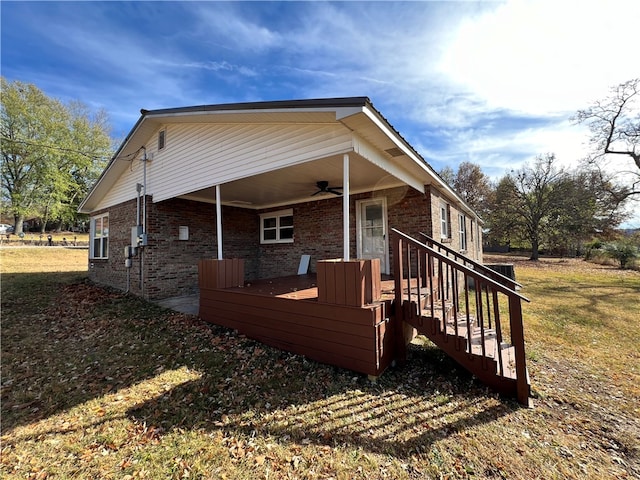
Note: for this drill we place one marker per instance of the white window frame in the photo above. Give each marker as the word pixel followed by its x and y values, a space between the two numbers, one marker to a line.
pixel 162 134
pixel 103 250
pixel 462 231
pixel 278 228
pixel 445 223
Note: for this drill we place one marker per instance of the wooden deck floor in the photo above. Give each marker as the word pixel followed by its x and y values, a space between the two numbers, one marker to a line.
pixel 296 287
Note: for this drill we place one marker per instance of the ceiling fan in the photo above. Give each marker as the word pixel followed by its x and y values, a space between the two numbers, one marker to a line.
pixel 324 187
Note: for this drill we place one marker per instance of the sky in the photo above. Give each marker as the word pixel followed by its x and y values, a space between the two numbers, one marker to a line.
pixel 493 83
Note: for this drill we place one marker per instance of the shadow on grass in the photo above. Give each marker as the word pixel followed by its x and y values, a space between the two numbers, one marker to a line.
pixel 66 344
pixel 404 413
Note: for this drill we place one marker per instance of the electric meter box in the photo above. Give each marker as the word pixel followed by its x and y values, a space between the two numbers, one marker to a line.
pixel 135 235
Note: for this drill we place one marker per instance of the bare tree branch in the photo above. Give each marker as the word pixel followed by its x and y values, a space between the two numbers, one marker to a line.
pixel 615 125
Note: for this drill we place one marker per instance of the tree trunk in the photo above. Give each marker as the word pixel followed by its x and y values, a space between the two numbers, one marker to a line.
pixel 19 219
pixel 535 255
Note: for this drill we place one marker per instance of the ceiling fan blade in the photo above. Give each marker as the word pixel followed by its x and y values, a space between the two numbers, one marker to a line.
pixel 314 194
pixel 335 192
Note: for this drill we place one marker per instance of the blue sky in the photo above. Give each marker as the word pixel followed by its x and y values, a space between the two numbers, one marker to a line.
pixel 487 82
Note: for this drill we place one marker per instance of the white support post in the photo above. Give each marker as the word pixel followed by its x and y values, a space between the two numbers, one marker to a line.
pixel 219 222
pixel 345 206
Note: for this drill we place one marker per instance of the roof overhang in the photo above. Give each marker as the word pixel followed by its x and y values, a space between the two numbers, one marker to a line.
pixel 395 161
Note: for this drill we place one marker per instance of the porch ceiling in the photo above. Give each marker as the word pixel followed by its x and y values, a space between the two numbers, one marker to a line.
pixel 297 183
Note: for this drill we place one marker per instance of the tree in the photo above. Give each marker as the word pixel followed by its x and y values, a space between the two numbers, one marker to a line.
pixel 587 208
pixel 614 123
pixel 527 202
pixel 542 204
pixel 504 223
pixel 624 251
pixel 51 153
pixel 471 184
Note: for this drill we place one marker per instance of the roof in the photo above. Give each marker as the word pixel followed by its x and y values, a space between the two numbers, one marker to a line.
pixel 266 105
pixel 356 113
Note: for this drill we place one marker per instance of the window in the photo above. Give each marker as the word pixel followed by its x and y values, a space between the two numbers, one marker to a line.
pixel 276 227
pixel 161 139
pixel 100 237
pixel 445 225
pixel 462 225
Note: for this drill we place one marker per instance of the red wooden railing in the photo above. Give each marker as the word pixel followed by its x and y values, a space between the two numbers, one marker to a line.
pixel 461 258
pixel 462 300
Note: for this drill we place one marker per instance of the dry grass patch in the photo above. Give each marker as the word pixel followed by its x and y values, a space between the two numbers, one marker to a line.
pixel 97 384
pixel 16 260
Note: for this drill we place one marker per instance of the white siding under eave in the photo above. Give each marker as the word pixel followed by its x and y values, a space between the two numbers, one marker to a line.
pixel 198 156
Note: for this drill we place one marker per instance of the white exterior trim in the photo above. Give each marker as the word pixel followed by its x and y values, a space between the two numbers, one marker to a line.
pixel 345 206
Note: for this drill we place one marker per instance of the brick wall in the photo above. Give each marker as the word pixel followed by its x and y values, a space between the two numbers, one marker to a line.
pixel 169 266
pixel 317 230
pixel 474 242
pixel 112 272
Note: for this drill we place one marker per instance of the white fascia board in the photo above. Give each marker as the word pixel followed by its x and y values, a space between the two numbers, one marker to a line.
pixel 373 155
pixel 340 112
pixel 402 145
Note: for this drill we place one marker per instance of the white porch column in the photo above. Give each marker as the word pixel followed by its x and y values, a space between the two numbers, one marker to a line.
pixel 219 222
pixel 345 206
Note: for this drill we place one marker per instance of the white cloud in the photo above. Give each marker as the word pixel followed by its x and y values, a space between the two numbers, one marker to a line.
pixel 240 32
pixel 541 57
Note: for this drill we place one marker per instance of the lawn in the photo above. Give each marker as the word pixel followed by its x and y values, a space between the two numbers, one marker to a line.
pixel 97 384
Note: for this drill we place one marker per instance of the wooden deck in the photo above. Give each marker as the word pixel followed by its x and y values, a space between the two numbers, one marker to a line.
pixel 298 287
pixel 354 319
pixel 285 313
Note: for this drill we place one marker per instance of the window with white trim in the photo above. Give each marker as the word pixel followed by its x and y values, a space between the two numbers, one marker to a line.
pixel 462 230
pixel 445 224
pixel 100 236
pixel 162 139
pixel 276 227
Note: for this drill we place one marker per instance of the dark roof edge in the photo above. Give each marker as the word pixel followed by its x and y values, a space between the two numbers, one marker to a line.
pixel 383 119
pixel 267 105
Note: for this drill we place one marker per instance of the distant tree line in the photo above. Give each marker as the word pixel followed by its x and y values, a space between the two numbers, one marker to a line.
pixel 52 153
pixel 543 206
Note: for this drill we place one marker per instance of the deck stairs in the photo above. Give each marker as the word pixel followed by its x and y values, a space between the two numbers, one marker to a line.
pixel 469 312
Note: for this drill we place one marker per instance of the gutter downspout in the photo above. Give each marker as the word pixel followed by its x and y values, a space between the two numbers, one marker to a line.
pixel 144 218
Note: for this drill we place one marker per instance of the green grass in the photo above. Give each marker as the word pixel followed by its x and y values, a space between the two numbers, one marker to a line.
pixel 97 384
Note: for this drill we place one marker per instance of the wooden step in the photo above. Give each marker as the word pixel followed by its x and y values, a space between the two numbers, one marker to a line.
pixel 490 342
pixel 457 346
pixel 508 353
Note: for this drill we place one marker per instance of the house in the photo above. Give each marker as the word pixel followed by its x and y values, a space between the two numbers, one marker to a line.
pixel 267 190
pixel 265 162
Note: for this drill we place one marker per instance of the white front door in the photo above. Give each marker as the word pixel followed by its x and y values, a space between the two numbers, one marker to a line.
pixel 372 231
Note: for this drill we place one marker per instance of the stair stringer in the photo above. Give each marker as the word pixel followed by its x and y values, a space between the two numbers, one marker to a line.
pixel 484 368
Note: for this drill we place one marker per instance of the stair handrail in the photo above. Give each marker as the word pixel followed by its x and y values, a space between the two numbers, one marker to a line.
pixel 478 265
pixel 515 309
pixel 461 266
